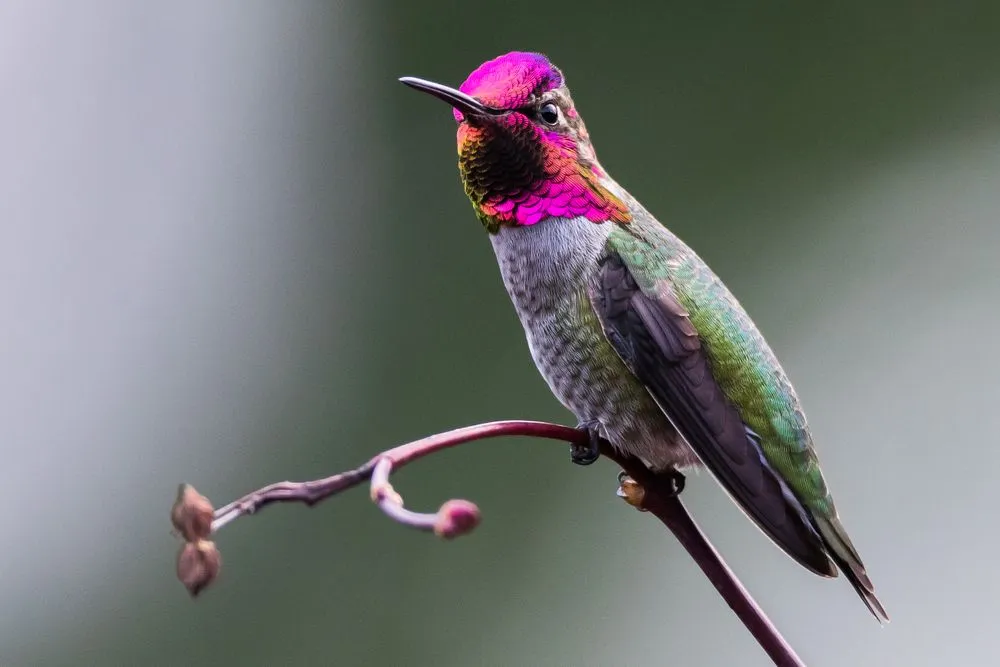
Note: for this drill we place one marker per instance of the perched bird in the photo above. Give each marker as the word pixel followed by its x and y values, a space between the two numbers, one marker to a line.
pixel 631 330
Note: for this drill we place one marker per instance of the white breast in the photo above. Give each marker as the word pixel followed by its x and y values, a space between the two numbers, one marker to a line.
pixel 547 260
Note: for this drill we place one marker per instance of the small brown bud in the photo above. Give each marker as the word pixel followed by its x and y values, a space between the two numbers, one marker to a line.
pixel 192 514
pixel 198 565
pixel 632 492
pixel 456 518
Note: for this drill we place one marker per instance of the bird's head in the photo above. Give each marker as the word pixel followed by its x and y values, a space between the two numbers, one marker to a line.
pixel 523 151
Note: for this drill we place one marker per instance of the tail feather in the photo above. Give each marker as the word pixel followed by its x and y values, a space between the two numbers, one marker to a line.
pixel 847 559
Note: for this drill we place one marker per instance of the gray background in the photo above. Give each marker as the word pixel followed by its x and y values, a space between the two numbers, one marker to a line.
pixel 234 250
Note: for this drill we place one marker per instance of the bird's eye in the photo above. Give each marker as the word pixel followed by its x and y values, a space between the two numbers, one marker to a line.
pixel 549 113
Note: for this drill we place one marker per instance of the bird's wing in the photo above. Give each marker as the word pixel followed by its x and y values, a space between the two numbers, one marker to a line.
pixel 655 337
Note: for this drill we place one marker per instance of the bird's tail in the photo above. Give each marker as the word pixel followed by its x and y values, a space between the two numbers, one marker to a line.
pixel 847 559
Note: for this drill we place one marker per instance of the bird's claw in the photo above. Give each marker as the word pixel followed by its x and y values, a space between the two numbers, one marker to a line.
pixel 583 454
pixel 676 480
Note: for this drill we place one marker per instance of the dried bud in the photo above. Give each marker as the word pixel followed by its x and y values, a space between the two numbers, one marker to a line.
pixel 192 514
pixel 198 565
pixel 632 492
pixel 456 518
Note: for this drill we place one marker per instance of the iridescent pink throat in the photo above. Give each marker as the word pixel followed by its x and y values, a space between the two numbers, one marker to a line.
pixel 519 174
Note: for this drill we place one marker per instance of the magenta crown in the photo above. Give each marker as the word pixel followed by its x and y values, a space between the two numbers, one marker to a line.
pixel 509 81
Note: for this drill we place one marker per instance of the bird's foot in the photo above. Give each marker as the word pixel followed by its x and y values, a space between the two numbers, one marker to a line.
pixel 675 480
pixel 583 454
pixel 632 492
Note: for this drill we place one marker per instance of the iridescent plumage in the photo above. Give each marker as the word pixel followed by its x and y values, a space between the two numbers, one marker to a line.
pixel 511 81
pixel 517 172
pixel 628 326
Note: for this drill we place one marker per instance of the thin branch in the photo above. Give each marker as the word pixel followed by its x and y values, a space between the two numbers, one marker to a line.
pixel 656 493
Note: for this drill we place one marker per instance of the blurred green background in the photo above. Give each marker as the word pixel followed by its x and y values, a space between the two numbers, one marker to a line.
pixel 235 250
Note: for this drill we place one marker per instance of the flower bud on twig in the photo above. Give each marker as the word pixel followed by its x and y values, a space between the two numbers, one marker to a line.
pixel 456 518
pixel 198 565
pixel 191 514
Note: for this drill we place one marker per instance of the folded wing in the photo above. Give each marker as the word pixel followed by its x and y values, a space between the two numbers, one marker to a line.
pixel 655 337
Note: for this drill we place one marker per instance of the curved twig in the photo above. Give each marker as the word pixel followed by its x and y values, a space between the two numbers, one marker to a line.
pixel 646 490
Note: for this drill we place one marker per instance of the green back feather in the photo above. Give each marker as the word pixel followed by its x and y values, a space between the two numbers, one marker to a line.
pixel 741 361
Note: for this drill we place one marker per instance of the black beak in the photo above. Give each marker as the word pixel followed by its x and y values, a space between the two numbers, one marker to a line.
pixel 456 98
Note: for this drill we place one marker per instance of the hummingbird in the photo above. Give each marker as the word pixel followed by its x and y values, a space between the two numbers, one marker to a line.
pixel 630 329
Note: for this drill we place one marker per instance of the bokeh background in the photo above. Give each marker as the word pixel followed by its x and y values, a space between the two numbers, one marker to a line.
pixel 234 250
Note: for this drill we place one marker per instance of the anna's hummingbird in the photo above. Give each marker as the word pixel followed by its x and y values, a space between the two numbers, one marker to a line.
pixel 629 327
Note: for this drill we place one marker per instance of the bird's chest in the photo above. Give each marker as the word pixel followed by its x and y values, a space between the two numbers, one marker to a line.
pixel 547 269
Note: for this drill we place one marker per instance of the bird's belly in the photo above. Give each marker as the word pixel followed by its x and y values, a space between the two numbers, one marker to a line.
pixel 590 379
pixel 579 364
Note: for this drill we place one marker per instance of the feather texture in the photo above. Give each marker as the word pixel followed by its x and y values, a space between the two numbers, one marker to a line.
pixel 656 339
